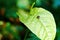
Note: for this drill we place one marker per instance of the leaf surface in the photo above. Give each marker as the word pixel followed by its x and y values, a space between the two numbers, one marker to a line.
pixel 41 22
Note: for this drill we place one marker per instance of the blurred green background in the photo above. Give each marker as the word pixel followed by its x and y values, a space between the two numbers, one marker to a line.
pixel 11 27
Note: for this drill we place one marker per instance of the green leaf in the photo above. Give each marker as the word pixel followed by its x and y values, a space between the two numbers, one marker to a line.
pixel 1 23
pixel 41 22
pixel 31 36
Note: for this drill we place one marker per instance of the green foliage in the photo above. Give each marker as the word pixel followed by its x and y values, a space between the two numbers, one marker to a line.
pixel 1 22
pixel 30 36
pixel 40 22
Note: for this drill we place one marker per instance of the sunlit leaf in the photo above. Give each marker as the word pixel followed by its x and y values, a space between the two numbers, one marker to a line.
pixel 1 22
pixel 40 22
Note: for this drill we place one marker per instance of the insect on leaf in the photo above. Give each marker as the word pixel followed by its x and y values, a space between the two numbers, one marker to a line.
pixel 41 22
